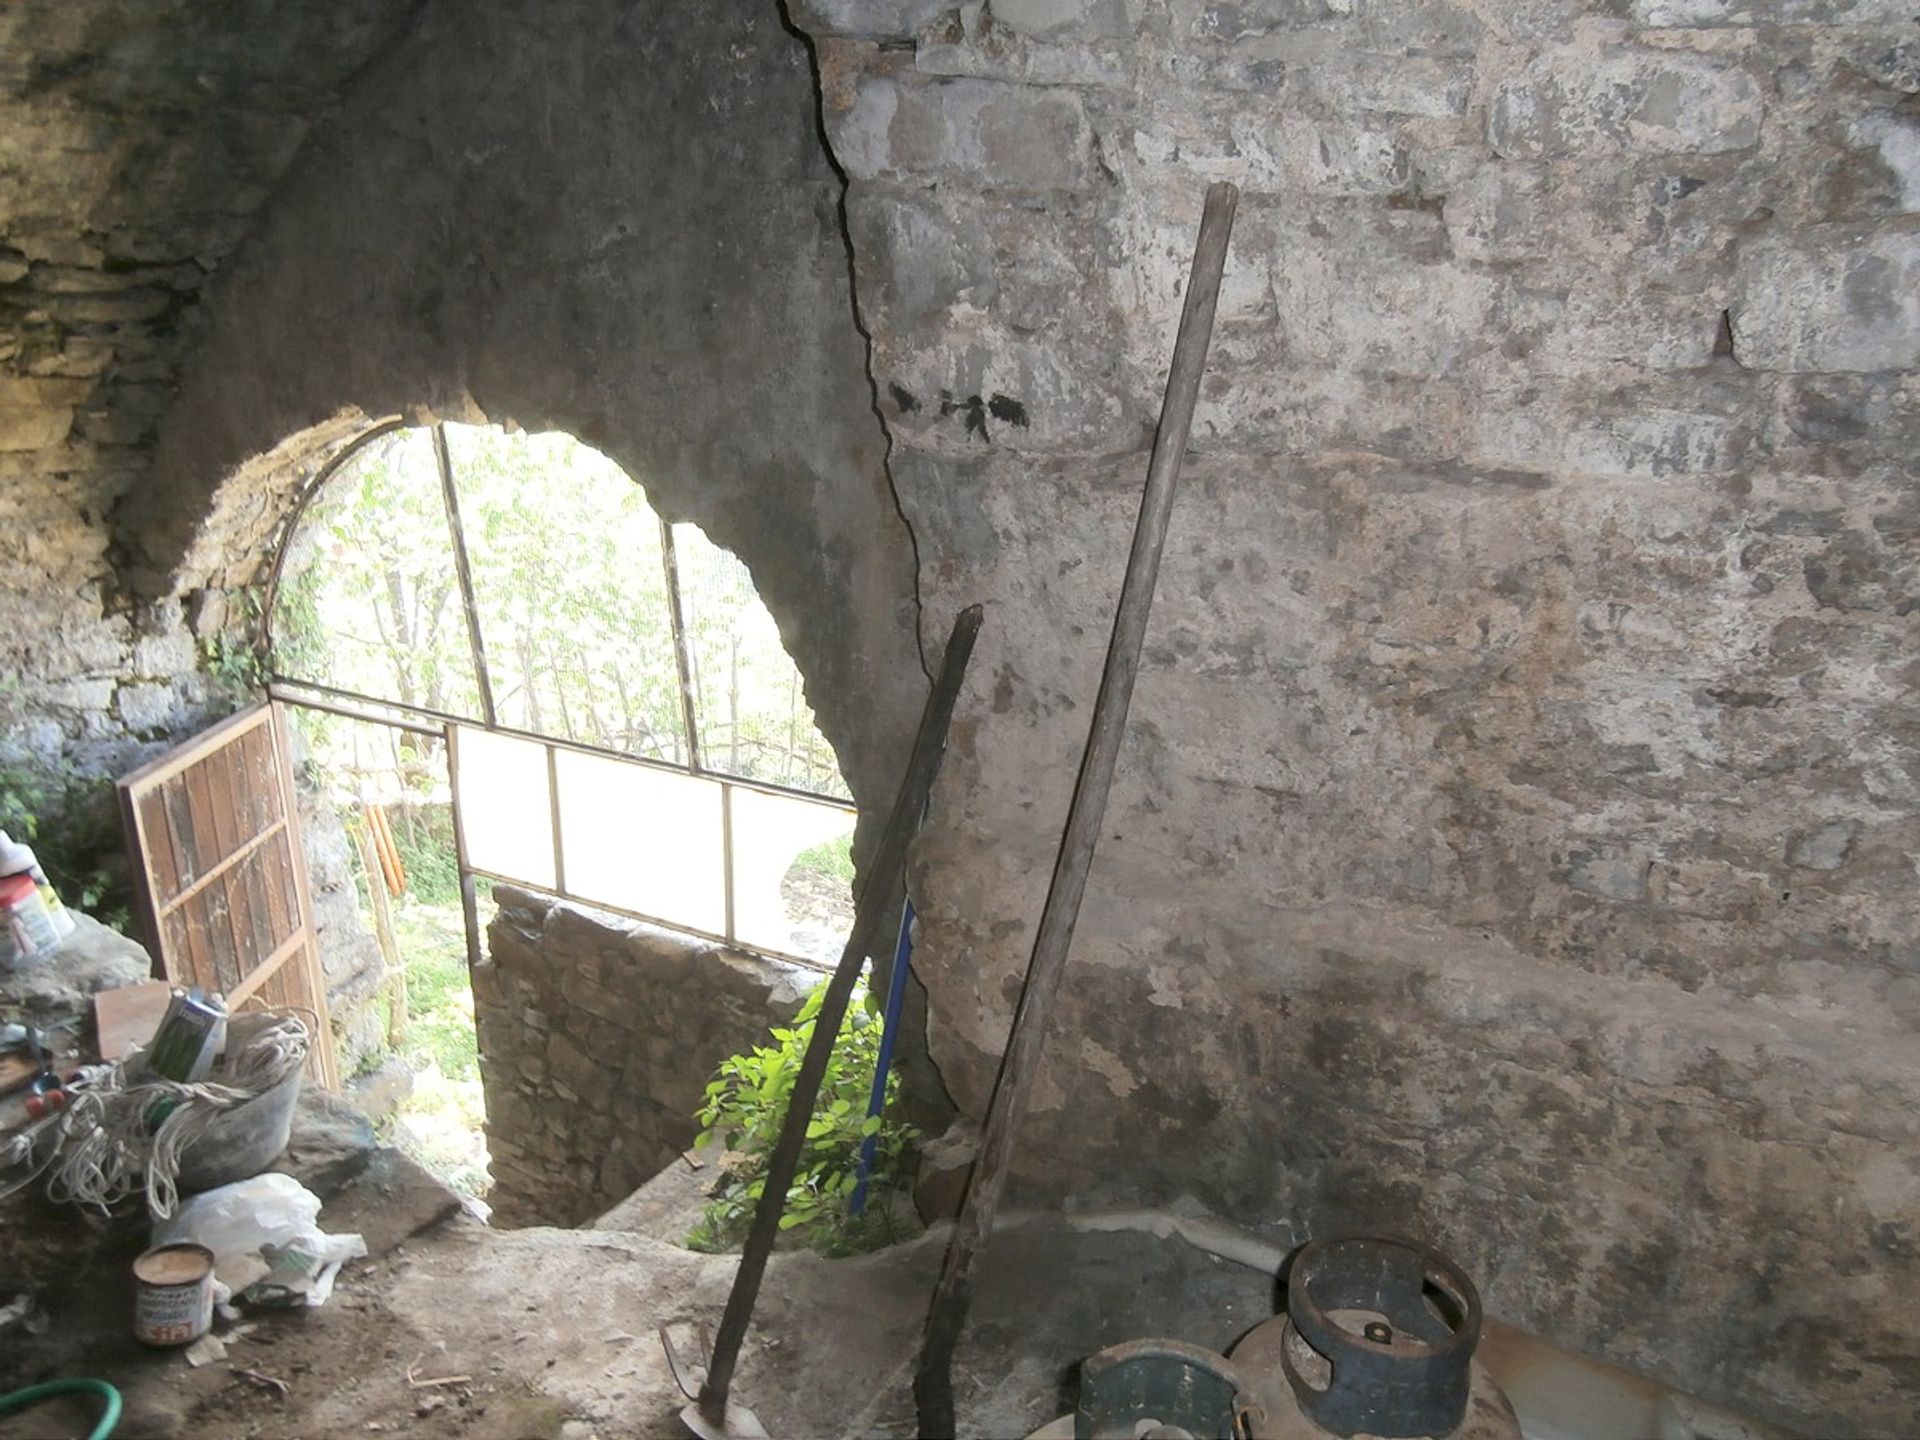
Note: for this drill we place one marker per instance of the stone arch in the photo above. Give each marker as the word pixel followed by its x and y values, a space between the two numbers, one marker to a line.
pixel 497 228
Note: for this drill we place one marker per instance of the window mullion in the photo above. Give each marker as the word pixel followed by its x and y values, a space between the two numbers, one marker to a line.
pixel 682 652
pixel 726 855
pixel 464 574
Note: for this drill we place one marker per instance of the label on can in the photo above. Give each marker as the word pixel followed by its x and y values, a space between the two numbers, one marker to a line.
pixel 173 1300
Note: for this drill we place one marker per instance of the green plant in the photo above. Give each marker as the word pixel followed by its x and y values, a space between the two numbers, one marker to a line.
pixel 232 658
pixel 746 1103
pixel 830 858
pixel 70 820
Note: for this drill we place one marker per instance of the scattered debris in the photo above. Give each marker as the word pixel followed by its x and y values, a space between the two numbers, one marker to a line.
pixel 205 1350
pixel 417 1384
pixel 266 1382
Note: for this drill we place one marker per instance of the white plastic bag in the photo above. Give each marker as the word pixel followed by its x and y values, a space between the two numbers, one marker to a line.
pixel 265 1239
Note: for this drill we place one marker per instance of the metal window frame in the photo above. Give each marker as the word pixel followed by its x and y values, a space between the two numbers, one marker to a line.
pixel 420 720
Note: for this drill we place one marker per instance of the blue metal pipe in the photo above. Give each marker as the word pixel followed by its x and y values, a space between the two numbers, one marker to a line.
pixel 877 1097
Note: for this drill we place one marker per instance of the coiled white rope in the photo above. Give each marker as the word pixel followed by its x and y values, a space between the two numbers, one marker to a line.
pixel 105 1144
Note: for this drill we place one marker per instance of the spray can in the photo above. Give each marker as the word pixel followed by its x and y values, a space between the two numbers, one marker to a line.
pixel 19 859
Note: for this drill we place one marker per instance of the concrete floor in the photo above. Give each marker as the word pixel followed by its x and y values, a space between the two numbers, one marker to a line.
pixel 457 1331
pixel 554 1331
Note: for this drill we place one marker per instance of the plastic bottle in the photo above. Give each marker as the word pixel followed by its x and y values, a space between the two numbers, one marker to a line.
pixel 26 929
pixel 18 859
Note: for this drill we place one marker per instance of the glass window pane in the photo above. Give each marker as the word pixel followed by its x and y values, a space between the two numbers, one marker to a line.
pixel 792 875
pixel 571 590
pixel 501 787
pixel 368 599
pixel 643 840
pixel 748 701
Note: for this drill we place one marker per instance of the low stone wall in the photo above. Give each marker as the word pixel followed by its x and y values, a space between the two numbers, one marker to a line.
pixel 597 1037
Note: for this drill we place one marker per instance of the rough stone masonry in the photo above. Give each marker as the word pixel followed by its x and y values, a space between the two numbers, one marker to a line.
pixel 1514 843
pixel 598 1036
pixel 1515 839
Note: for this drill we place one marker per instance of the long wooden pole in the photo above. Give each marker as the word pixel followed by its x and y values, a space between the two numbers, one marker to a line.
pixel 871 904
pixel 952 1296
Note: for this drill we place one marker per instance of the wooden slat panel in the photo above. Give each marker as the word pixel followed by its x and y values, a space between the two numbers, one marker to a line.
pixel 153 819
pixel 186 849
pixel 221 875
pixel 228 828
pixel 254 876
pixel 240 914
pixel 263 776
pixel 207 852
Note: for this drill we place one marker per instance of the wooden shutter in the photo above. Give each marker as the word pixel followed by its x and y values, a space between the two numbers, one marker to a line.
pixel 220 878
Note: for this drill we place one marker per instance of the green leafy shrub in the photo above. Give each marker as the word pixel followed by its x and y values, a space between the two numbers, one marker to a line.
pixel 831 858
pixel 746 1103
pixel 71 821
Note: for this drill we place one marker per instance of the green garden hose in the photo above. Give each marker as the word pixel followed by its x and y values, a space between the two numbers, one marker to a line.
pixel 34 1394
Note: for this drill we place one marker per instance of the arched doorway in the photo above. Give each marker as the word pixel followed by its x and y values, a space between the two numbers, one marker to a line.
pixel 509 668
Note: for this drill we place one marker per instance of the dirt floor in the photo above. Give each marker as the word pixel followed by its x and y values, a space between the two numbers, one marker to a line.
pixel 453 1329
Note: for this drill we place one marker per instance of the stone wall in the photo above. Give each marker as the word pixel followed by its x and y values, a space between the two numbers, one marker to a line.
pixel 136 143
pixel 1513 838
pixel 1513 841
pixel 597 1038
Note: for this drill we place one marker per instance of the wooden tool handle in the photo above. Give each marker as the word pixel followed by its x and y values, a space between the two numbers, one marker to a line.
pixel 933 1380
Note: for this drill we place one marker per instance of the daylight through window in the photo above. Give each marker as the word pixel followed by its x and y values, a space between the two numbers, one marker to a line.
pixel 619 720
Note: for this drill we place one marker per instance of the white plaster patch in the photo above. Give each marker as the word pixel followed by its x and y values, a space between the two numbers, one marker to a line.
pixel 1899 144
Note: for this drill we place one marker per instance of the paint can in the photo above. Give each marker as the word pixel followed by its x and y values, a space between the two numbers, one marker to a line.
pixel 173 1294
pixel 190 1035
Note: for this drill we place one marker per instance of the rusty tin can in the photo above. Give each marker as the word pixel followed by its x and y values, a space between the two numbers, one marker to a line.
pixel 173 1294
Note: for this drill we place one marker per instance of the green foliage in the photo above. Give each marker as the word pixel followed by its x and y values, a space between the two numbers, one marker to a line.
pixel 425 845
pixel 831 858
pixel 71 822
pixel 746 1103
pixel 440 1020
pixel 571 593
pixel 232 658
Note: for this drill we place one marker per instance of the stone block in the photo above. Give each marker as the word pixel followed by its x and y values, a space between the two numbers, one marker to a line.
pixel 1002 54
pixel 1024 393
pixel 1501 212
pixel 608 1043
pixel 1829 298
pixel 165 654
pixel 1049 19
pixel 1243 19
pixel 1823 848
pixel 924 256
pixel 1576 102
pixel 868 19
pixel 21 392
pixel 1707 14
pixel 145 707
pixel 1435 89
pixel 571 1066
pixel 1006 136
pixel 1894 142
pixel 34 427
